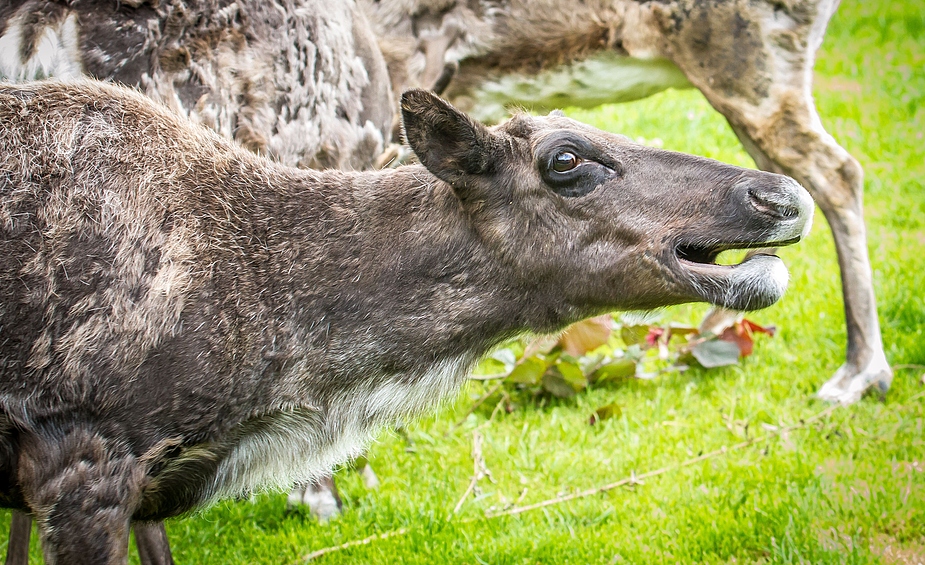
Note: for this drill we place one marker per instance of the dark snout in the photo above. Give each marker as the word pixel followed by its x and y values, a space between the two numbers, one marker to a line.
pixel 782 200
pixel 761 210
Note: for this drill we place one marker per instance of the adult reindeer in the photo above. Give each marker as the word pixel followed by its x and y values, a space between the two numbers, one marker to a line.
pixel 301 81
pixel 186 321
pixel 752 59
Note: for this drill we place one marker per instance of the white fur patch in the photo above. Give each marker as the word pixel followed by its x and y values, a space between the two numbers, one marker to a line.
pixel 298 446
pixel 56 53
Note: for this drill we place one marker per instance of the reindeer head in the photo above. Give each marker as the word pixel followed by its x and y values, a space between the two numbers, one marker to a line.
pixel 597 222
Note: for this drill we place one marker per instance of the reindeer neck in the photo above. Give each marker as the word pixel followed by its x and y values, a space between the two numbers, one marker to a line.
pixel 391 273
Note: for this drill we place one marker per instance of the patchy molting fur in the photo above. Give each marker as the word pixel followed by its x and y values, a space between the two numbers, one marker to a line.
pixel 51 51
pixel 151 254
pixel 303 85
pixel 301 81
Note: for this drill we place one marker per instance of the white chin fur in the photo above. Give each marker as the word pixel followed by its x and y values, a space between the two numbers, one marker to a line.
pixel 756 283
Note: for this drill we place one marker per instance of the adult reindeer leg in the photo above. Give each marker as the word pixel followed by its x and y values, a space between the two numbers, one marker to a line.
pixel 753 61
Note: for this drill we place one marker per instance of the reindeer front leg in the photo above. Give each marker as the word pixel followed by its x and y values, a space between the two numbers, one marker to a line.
pixel 152 543
pixel 17 550
pixel 753 61
pixel 150 539
pixel 82 490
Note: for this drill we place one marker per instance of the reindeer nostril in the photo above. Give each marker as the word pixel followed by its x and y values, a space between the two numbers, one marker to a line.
pixel 774 202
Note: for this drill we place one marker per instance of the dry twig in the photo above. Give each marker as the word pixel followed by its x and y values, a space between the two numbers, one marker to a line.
pixel 479 472
pixel 354 543
pixel 494 377
pixel 637 479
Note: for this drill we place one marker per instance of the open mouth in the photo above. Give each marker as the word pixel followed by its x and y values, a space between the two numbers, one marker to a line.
pixel 706 254
pixel 755 282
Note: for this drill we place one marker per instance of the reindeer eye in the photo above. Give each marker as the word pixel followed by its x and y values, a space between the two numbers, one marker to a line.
pixel 564 161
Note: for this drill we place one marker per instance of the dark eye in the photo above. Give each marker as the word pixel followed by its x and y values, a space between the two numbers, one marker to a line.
pixel 564 161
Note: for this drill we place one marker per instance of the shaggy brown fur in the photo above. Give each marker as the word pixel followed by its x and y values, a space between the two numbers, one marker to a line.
pixel 298 80
pixel 302 81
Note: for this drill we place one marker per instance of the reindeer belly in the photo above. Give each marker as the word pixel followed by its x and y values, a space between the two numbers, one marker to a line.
pixel 604 78
pixel 279 449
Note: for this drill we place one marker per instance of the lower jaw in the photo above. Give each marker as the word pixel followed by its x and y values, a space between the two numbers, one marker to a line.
pixel 756 283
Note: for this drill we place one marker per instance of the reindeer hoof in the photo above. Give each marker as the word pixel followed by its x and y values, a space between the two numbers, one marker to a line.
pixel 323 505
pixel 370 480
pixel 321 498
pixel 849 385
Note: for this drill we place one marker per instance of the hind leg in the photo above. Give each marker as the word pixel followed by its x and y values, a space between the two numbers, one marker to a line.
pixel 835 180
pixel 791 140
pixel 82 490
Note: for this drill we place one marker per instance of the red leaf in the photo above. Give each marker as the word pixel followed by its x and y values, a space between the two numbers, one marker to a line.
pixel 655 332
pixel 752 327
pixel 740 337
pixel 741 333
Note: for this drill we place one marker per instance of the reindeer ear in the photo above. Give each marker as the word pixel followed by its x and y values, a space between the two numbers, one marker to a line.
pixel 449 143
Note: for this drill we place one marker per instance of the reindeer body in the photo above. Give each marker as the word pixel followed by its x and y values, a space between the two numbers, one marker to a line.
pixel 185 321
pixel 300 81
pixel 156 239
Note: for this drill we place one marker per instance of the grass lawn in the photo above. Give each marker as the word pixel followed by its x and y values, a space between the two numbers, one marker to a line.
pixel 847 488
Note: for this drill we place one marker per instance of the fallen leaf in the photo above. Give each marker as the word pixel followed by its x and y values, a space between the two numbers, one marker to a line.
pixel 587 335
pixel 632 335
pixel 528 372
pixel 554 384
pixel 755 328
pixel 572 374
pixel 716 353
pixel 616 370
pixel 740 338
pixel 741 333
pixel 505 356
pixel 653 336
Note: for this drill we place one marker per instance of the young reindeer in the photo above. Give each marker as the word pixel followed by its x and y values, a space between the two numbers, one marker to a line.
pixel 302 82
pixel 185 321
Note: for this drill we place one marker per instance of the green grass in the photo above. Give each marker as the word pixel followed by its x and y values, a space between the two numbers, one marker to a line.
pixel 850 489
